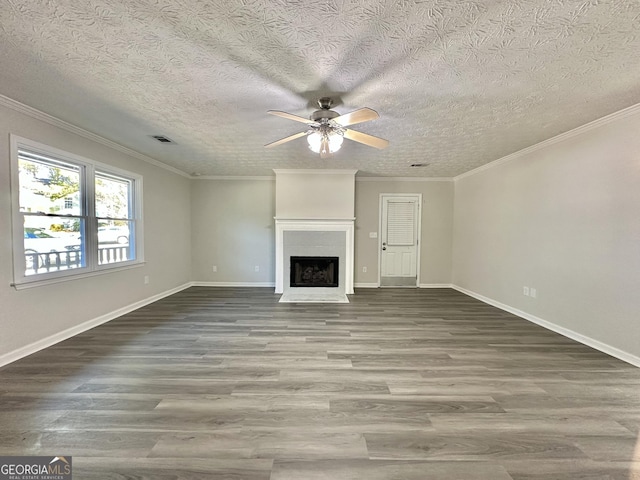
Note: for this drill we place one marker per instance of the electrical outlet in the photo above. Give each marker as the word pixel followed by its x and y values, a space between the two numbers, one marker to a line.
pixel 215 268
pixel 525 290
pixel 146 279
pixel 364 269
pixel 533 292
pixel 257 268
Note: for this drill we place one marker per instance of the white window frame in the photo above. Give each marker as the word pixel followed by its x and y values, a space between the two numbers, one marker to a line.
pixel 87 197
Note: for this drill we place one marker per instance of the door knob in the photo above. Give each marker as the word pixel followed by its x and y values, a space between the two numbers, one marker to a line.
pixel 384 248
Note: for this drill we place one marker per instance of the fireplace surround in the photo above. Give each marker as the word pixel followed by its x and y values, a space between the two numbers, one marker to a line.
pixel 315 238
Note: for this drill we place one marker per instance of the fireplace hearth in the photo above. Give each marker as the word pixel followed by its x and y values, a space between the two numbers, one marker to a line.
pixel 314 272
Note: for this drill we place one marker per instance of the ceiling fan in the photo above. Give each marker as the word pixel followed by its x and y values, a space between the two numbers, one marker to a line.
pixel 327 128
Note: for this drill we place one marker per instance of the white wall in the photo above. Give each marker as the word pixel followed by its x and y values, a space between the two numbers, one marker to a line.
pixel 31 315
pixel 564 219
pixel 437 228
pixel 233 228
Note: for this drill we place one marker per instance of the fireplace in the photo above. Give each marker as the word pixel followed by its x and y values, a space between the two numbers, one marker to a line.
pixel 314 220
pixel 314 272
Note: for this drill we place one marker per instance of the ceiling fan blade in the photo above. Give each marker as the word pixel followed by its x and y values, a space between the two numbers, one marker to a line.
pixel 290 116
pixel 285 140
pixel 370 140
pixel 357 116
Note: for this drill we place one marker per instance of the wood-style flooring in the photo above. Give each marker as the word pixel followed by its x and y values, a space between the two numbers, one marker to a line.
pixel 227 383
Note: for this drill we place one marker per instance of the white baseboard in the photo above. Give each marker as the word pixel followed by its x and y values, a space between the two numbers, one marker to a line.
pixel 422 285
pixel 83 327
pixel 233 284
pixel 590 342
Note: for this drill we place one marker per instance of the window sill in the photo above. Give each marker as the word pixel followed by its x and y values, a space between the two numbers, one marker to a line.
pixel 24 284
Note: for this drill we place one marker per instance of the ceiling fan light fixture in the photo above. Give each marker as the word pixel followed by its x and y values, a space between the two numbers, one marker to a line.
pixel 333 140
pixel 327 128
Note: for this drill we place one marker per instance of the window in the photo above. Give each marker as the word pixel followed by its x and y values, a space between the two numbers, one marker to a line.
pixel 72 216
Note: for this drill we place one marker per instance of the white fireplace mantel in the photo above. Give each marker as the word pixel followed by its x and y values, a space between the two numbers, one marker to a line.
pixel 317 225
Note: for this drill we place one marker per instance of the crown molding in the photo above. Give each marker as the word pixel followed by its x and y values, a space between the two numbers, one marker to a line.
pixel 56 122
pixel 358 179
pixel 404 179
pixel 587 127
pixel 50 119
pixel 313 171
pixel 232 177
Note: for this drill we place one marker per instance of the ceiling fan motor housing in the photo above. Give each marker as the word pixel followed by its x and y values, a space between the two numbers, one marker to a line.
pixel 323 114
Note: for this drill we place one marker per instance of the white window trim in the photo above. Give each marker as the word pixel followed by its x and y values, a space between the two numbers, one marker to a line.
pixel 90 166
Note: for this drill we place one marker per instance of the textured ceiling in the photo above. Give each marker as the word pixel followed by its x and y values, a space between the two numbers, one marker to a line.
pixel 457 83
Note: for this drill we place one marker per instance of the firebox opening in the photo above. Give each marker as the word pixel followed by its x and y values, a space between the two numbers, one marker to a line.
pixel 314 272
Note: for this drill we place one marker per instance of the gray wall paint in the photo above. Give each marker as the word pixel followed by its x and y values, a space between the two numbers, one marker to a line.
pixel 233 228
pixel 565 220
pixel 31 315
pixel 437 221
pixel 306 194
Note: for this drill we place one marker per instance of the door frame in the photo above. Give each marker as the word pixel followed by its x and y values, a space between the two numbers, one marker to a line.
pixel 417 196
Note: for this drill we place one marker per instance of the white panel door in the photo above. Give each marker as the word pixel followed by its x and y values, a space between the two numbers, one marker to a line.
pixel 399 240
